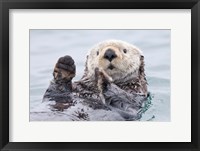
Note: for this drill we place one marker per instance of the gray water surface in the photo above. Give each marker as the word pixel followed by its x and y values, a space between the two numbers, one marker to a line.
pixel 46 46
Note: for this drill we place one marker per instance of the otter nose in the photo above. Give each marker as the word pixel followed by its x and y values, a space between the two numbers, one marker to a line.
pixel 110 54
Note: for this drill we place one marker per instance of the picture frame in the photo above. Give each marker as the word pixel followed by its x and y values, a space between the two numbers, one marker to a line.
pixel 5 5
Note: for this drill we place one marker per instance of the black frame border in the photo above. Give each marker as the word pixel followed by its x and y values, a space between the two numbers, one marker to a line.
pixel 5 5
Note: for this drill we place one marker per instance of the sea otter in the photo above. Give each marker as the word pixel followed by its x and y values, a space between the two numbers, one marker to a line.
pixel 113 82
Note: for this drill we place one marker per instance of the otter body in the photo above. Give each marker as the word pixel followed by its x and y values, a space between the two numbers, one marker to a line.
pixel 113 86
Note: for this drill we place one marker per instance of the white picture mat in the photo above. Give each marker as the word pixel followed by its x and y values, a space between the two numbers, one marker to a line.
pixel 178 130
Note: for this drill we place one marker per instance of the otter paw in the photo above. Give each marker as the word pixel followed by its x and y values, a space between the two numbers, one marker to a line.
pixel 103 80
pixel 101 75
pixel 65 69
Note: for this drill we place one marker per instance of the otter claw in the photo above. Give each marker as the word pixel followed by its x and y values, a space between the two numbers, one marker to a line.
pixel 66 60
pixel 107 77
pixel 66 63
pixel 101 74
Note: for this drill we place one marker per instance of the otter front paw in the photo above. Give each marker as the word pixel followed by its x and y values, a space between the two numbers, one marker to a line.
pixel 103 82
pixel 65 69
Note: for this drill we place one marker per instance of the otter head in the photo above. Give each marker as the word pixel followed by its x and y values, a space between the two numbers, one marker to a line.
pixel 119 59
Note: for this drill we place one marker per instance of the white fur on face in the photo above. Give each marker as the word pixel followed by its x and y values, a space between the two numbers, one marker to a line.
pixel 125 64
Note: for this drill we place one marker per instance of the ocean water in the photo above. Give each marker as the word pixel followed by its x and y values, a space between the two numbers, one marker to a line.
pixel 46 46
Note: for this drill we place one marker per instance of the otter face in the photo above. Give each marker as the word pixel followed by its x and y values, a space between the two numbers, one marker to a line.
pixel 117 58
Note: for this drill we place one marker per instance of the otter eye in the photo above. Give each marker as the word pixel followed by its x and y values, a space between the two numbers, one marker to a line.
pixel 97 53
pixel 125 51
